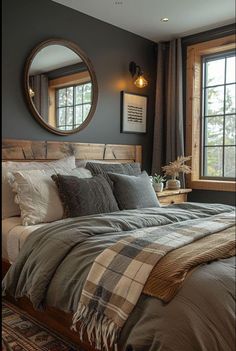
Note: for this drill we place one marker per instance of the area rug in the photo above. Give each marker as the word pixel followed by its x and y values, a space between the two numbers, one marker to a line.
pixel 23 333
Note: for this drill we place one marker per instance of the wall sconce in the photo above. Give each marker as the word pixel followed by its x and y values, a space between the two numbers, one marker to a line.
pixel 31 93
pixel 134 69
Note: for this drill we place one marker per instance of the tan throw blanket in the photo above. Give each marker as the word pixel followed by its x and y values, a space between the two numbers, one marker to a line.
pixel 168 275
pixel 118 275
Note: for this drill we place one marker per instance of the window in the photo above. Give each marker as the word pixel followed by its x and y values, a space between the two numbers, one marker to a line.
pixel 218 116
pixel 210 114
pixel 73 104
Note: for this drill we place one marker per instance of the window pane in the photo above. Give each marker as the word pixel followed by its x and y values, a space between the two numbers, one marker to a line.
pixel 230 130
pixel 230 99
pixel 69 115
pixel 219 119
pixel 229 169
pixel 61 116
pixel 230 70
pixel 79 115
pixel 87 92
pixel 62 97
pixel 213 162
pixel 69 96
pixel 214 131
pixel 86 110
pixel 215 72
pixel 214 101
pixel 79 94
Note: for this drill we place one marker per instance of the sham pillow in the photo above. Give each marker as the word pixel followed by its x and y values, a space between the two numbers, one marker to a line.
pixel 133 192
pixel 119 168
pixel 37 194
pixel 9 207
pixel 82 197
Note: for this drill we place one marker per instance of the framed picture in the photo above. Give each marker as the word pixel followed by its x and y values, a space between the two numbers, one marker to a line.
pixel 133 113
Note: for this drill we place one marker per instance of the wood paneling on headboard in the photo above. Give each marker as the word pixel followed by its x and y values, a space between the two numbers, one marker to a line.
pixel 28 150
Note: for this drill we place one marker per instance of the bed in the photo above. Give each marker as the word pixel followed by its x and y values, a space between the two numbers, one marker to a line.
pixel 197 314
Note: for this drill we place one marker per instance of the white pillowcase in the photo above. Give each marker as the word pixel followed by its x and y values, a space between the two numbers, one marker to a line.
pixel 9 207
pixel 37 194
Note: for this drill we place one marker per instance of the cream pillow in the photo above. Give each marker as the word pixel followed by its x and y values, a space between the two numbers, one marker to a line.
pixel 37 194
pixel 9 207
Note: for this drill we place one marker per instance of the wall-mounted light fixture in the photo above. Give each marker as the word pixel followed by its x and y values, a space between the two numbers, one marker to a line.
pixel 31 92
pixel 134 69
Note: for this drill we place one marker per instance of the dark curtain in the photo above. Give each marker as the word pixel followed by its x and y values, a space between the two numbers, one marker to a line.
pixel 39 84
pixel 168 142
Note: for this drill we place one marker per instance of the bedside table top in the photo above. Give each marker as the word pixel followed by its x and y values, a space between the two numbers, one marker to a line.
pixel 167 192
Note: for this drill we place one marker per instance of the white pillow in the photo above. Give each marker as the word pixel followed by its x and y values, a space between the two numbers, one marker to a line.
pixel 9 207
pixel 37 194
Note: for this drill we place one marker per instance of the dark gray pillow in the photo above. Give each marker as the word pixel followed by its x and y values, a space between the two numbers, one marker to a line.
pixel 85 196
pixel 133 191
pixel 119 168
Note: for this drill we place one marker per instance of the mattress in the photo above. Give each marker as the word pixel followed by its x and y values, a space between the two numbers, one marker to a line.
pixel 13 237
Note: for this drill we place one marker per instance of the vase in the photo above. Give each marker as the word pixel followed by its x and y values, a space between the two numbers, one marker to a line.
pixel 173 184
pixel 158 187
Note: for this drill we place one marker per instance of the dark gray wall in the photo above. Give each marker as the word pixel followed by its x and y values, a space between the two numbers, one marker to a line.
pixel 28 22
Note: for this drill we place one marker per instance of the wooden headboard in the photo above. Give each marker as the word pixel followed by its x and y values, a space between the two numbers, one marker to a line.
pixel 28 150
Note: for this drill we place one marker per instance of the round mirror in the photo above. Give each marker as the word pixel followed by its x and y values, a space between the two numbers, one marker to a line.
pixel 61 86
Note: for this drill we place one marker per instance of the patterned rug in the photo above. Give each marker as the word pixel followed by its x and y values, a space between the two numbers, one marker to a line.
pixel 23 333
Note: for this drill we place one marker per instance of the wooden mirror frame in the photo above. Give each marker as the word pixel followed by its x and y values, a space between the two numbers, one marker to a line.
pixel 74 47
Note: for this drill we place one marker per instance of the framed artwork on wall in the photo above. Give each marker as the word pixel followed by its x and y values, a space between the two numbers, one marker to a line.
pixel 133 113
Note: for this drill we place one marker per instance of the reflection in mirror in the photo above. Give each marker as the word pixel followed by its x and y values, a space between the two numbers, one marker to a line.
pixel 60 87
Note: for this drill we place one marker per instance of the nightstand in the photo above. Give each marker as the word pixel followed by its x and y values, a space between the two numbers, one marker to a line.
pixel 168 197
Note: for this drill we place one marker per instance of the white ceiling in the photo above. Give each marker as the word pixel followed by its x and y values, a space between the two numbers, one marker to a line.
pixel 143 17
pixel 53 57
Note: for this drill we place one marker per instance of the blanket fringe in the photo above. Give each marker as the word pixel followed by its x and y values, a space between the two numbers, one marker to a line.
pixel 100 330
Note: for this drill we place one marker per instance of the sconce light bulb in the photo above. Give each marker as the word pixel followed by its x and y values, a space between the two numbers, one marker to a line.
pixel 31 92
pixel 141 82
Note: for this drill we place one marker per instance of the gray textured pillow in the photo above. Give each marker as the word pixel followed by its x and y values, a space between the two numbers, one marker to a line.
pixel 82 197
pixel 119 168
pixel 133 191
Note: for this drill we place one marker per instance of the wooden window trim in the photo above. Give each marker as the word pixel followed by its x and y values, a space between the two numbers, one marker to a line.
pixel 193 110
pixel 72 79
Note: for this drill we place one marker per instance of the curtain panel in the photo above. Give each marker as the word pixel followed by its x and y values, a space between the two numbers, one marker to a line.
pixel 39 84
pixel 168 138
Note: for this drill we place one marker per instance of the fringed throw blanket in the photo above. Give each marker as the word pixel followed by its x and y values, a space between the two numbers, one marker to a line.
pixel 119 274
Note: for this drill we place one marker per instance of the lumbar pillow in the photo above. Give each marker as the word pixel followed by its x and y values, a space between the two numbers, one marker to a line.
pixel 119 168
pixel 37 194
pixel 82 197
pixel 9 207
pixel 133 191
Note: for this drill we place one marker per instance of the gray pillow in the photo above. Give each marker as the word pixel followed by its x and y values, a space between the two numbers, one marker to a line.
pixel 133 191
pixel 82 197
pixel 119 168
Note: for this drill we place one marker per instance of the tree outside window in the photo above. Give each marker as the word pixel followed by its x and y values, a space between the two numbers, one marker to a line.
pixel 218 116
pixel 73 104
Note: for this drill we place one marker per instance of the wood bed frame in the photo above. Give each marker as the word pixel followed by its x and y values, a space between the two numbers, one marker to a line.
pixel 26 150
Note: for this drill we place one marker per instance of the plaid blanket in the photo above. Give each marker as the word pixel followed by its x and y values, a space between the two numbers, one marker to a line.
pixel 118 275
